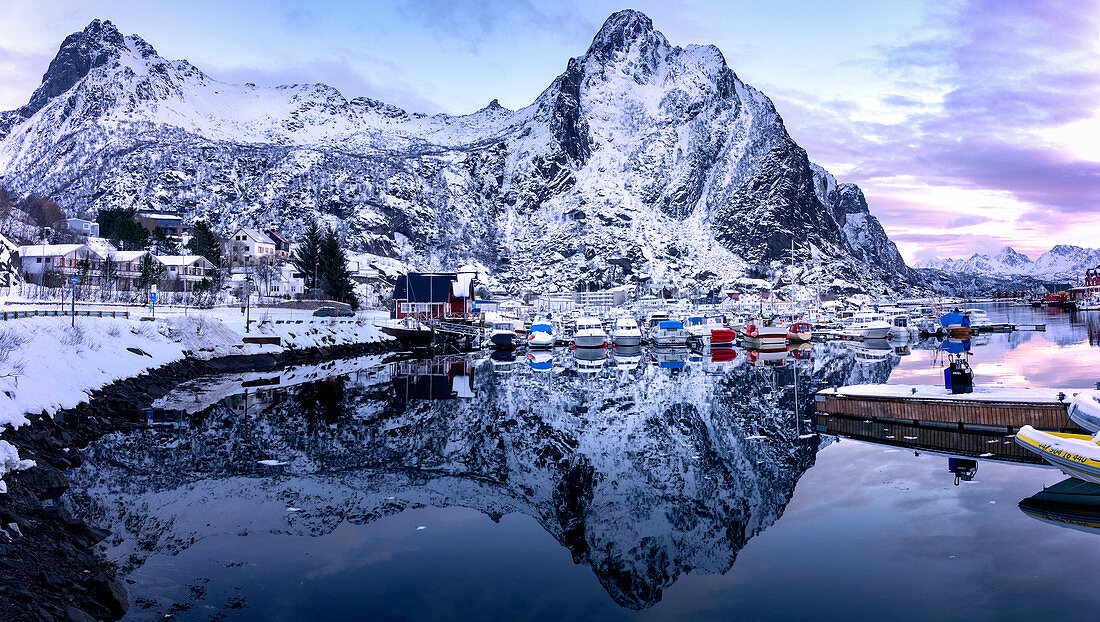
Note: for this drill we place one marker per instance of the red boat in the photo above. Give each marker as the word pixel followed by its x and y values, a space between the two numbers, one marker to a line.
pixel 723 355
pixel 722 336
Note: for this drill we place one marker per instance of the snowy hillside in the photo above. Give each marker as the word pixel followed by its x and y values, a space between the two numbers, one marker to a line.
pixel 1061 263
pixel 641 160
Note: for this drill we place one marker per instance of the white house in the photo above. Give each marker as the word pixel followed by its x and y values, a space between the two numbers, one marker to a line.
pixel 40 261
pixel 127 268
pixel 248 247
pixel 184 268
pixel 81 226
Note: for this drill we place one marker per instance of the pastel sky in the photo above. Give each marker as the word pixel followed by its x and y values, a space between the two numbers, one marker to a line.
pixel 969 125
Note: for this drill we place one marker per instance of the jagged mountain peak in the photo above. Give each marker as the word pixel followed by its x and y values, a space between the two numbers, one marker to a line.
pixel 641 160
pixel 622 30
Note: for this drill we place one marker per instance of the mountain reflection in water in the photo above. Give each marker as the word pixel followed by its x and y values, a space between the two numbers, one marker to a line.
pixel 645 464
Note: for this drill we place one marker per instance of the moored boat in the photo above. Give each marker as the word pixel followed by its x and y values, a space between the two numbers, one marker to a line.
pixel 670 333
pixel 763 334
pixel 1084 410
pixel 956 322
pixel 541 335
pixel 503 334
pixel 626 333
pixel 589 333
pixel 800 331
pixel 1076 455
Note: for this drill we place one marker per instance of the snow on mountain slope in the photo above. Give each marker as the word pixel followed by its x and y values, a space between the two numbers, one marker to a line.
pixel 642 160
pixel 1061 263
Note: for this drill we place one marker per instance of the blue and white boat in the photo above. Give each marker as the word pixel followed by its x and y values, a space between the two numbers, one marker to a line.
pixel 955 322
pixel 541 336
pixel 669 333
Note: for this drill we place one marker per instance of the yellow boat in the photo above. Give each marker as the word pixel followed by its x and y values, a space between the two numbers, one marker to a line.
pixel 1077 455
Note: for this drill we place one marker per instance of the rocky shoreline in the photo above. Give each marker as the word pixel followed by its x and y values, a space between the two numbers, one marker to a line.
pixel 50 568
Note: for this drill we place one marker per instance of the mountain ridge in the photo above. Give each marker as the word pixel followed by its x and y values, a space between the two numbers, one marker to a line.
pixel 1063 262
pixel 642 161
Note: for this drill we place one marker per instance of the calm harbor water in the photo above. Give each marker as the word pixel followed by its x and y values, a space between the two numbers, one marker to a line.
pixel 633 485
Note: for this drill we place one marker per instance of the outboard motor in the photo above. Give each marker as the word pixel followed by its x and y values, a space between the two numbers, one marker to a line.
pixel 958 377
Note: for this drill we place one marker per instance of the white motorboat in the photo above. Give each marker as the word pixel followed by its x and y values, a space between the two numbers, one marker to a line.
pixel 669 333
pixel 541 336
pixel 866 325
pixel 652 320
pixel 626 333
pixel 979 319
pixel 589 333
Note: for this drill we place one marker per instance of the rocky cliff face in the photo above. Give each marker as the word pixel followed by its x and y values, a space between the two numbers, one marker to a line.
pixel 643 160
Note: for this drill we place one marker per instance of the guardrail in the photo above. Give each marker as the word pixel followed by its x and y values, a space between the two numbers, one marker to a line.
pixel 14 315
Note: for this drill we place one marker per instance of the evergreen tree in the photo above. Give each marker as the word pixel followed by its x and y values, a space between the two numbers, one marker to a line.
pixel 205 243
pixel 151 271
pixel 164 245
pixel 306 256
pixel 118 226
pixel 334 275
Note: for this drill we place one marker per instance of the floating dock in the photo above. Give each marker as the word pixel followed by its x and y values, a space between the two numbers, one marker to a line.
pixel 987 408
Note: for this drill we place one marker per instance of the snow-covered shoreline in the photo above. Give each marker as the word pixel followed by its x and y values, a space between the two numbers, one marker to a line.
pixel 48 364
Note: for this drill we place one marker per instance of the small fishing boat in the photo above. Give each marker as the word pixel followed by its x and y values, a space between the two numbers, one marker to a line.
pixel 800 331
pixel 409 332
pixel 670 333
pixel 503 334
pixel 626 333
pixel 541 336
pixel 1076 455
pixel 956 322
pixel 722 337
pixel 589 333
pixel 979 320
pixel 652 320
pixel 763 334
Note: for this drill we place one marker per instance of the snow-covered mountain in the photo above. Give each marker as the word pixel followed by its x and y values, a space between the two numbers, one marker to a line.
pixel 641 160
pixel 1061 263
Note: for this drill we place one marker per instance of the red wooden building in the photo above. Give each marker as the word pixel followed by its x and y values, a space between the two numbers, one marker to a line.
pixel 446 295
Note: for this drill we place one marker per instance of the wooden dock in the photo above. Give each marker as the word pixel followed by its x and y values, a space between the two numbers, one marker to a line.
pixel 927 405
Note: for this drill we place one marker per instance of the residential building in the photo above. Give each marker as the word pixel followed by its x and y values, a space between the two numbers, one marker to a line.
pixel 126 266
pixel 179 269
pixel 248 247
pixel 79 226
pixel 53 265
pixel 169 222
pixel 282 245
pixel 599 301
pixel 436 295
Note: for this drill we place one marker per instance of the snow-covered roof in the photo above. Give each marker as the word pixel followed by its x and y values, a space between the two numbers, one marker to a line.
pixel 255 234
pixel 181 260
pixel 157 216
pixel 462 285
pixel 126 255
pixel 52 250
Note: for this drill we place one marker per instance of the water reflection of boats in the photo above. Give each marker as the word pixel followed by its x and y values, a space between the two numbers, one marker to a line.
pixel 670 358
pixel 627 358
pixel 768 358
pixel 433 379
pixel 590 360
pixel 503 360
pixel 1070 503
pixel 871 350
pixel 541 360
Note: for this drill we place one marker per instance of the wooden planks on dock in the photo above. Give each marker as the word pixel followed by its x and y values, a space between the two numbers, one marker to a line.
pixel 1007 415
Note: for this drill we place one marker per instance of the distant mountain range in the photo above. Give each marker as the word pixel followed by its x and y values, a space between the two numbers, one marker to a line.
pixel 1062 263
pixel 642 160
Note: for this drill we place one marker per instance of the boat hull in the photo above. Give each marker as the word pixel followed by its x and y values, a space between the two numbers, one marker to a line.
pixel 503 340
pixel 1077 455
pixel 627 340
pixel 540 340
pixel 722 336
pixel 589 341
